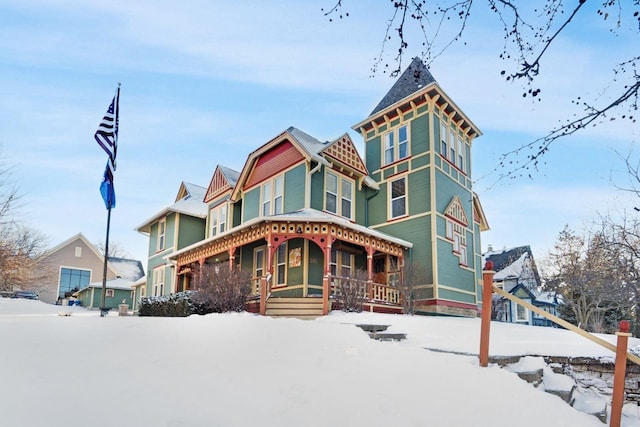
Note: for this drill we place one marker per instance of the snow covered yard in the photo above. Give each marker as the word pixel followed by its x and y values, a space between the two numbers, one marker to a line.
pixel 243 369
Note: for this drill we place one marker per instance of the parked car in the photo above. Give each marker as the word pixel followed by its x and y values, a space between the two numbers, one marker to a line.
pixel 25 294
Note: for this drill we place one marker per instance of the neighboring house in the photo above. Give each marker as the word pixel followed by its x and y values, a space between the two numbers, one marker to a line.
pixel 173 228
pixel 302 212
pixel 75 263
pixel 117 291
pixel 516 273
pixel 139 288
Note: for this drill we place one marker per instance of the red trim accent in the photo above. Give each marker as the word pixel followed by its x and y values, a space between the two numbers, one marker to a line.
pixel 452 164
pixel 448 303
pixel 456 220
pixel 388 165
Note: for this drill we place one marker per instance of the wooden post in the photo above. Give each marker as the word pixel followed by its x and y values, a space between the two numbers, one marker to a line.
pixel 487 292
pixel 263 296
pixel 325 295
pixel 617 399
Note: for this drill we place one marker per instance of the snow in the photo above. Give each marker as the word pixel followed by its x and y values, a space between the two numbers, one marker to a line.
pixel 241 369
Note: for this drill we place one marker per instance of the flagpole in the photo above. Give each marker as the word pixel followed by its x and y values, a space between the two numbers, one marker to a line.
pixel 103 309
pixel 107 138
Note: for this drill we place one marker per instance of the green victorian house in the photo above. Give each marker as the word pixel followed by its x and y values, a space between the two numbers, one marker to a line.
pixel 303 213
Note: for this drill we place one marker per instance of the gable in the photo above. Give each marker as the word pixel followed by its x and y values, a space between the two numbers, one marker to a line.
pixel 478 214
pixel 456 211
pixel 217 186
pixel 342 150
pixel 274 161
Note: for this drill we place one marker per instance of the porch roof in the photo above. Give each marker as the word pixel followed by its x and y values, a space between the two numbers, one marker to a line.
pixel 302 215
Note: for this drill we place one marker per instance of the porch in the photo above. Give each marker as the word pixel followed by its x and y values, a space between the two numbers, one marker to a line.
pixel 303 255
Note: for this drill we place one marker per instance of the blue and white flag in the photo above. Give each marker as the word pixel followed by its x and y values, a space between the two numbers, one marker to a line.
pixel 107 137
pixel 106 188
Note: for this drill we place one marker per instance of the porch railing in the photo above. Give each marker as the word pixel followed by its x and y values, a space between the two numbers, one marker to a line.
pixel 370 291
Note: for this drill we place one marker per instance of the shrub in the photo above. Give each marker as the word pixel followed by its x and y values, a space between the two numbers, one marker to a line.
pixel 176 305
pixel 220 289
pixel 351 291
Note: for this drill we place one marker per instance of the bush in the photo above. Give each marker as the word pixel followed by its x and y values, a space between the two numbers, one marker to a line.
pixel 176 305
pixel 351 291
pixel 220 289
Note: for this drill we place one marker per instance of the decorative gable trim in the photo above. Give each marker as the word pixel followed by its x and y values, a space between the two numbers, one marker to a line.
pixel 343 150
pixel 217 186
pixel 478 214
pixel 274 161
pixel 182 192
pixel 455 211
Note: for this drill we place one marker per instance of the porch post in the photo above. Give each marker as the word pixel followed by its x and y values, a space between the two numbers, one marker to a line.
pixel 200 264
pixel 326 280
pixel 263 296
pixel 370 252
pixel 232 257
pixel 485 325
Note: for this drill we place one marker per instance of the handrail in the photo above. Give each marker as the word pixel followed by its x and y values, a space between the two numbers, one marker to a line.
pixel 630 356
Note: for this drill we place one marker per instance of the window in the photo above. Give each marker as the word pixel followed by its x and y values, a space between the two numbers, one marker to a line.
pixel 78 252
pixel 338 195
pixel 455 144
pixel 398 196
pixel 109 293
pixel 396 144
pixel 443 139
pixel 522 314
pixel 281 265
pixel 218 220
pixel 452 145
pixel 272 196
pixel 158 281
pixel 342 259
pixel 162 229
pixel 72 280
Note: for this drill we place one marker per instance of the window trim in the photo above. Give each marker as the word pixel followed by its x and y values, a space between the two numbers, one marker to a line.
pixel 217 213
pixel 339 194
pixel 391 199
pixel 162 236
pixel 525 312
pixel 158 280
pixel 279 281
pixel 274 204
pixel 393 136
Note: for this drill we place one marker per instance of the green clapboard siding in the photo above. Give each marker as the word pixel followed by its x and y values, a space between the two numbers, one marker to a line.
pixel 420 135
pixel 295 275
pixel 317 190
pixel 251 204
pixel 456 296
pixel 372 153
pixel 417 231
pixel 191 230
pixel 419 192
pixel 294 182
pixel 449 271
pixel 316 263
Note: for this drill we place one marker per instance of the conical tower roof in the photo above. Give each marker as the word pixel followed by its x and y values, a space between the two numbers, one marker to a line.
pixel 414 78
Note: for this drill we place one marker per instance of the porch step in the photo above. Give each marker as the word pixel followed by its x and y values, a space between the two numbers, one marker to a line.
pixel 299 308
pixel 377 332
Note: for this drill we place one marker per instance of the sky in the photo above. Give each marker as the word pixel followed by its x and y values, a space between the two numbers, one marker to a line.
pixel 83 369
pixel 207 82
